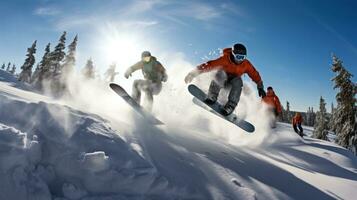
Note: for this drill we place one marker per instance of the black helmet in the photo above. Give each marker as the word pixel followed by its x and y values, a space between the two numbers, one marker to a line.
pixel 145 54
pixel 239 49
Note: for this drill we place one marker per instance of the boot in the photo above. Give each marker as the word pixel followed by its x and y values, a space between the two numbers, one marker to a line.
pixel 210 100
pixel 228 108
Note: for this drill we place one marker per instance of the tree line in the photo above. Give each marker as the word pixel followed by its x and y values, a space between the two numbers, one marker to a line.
pixel 343 118
pixel 56 67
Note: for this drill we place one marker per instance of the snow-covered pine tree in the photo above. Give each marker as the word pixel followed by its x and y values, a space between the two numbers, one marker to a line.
pixel 110 74
pixel 332 118
pixel 321 125
pixel 312 117
pixel 8 67
pixel 36 74
pixel 44 72
pixel 70 59
pixel 25 75
pixel 308 116
pixel 13 70
pixel 345 113
pixel 3 66
pixel 88 70
pixel 57 56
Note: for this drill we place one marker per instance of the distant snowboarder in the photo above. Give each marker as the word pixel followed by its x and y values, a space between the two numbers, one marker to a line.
pixel 154 74
pixel 231 66
pixel 297 121
pixel 110 74
pixel 274 104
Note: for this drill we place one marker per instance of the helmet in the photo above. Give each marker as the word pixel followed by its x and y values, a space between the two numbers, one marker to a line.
pixel 145 54
pixel 239 49
pixel 269 88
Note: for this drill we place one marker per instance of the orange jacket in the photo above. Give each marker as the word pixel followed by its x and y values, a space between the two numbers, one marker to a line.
pixel 297 119
pixel 225 63
pixel 272 100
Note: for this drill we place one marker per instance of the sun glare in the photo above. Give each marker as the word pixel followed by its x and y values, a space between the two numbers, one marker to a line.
pixel 122 49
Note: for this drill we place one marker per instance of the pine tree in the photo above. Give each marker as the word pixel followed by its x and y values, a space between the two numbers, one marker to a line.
pixel 345 113
pixel 8 67
pixel 25 75
pixel 321 128
pixel 3 66
pixel 70 59
pixel 332 118
pixel 57 57
pixel 58 54
pixel 110 74
pixel 309 117
pixel 13 70
pixel 43 69
pixel 88 71
pixel 45 64
pixel 36 74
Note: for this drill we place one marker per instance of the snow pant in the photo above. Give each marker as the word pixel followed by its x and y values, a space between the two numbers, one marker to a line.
pixel 298 129
pixel 227 81
pixel 150 88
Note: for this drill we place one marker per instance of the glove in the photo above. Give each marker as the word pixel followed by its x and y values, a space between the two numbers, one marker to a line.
pixel 127 73
pixel 164 77
pixel 190 76
pixel 261 90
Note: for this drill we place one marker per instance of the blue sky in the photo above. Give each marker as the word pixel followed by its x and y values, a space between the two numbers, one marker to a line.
pixel 290 42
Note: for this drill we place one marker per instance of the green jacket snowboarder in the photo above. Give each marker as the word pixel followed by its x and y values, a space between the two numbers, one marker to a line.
pixel 154 74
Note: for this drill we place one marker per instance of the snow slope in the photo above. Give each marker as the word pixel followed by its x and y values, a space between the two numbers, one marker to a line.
pixel 95 147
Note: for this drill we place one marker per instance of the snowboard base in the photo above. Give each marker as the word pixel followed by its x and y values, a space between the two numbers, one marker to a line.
pixel 200 96
pixel 121 92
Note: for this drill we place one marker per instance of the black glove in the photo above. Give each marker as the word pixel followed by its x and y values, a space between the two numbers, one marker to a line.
pixel 261 90
pixel 164 77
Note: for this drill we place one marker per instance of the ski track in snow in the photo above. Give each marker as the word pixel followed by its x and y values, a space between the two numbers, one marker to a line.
pixel 66 150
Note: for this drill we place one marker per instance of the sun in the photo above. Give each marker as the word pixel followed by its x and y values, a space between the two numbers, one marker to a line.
pixel 123 49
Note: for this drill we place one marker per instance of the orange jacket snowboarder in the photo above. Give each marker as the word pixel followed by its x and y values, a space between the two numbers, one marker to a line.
pixel 273 101
pixel 231 66
pixel 297 121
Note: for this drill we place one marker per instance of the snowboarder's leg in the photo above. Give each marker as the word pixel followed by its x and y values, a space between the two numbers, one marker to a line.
pixel 138 85
pixel 215 86
pixel 236 84
pixel 301 131
pixel 150 91
pixel 295 129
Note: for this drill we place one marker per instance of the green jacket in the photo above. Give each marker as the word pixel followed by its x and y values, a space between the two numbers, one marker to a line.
pixel 152 70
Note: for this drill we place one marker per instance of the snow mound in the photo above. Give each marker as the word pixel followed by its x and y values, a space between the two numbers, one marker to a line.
pixel 10 79
pixel 48 150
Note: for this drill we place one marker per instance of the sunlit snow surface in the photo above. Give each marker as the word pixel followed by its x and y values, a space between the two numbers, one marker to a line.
pixel 95 147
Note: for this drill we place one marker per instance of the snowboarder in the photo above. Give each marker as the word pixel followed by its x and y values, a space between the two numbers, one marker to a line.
pixel 154 74
pixel 231 66
pixel 297 121
pixel 274 104
pixel 110 73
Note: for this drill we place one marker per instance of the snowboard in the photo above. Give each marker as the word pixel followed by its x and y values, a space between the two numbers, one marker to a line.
pixel 216 108
pixel 140 110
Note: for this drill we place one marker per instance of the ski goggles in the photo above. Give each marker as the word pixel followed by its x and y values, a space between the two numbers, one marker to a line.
pixel 239 57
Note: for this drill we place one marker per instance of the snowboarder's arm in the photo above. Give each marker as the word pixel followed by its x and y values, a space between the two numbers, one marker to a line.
pixel 136 66
pixel 133 68
pixel 278 105
pixel 210 65
pixel 253 73
pixel 205 67
pixel 162 70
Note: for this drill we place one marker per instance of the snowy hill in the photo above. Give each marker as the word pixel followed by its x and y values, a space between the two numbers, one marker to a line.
pixel 96 147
